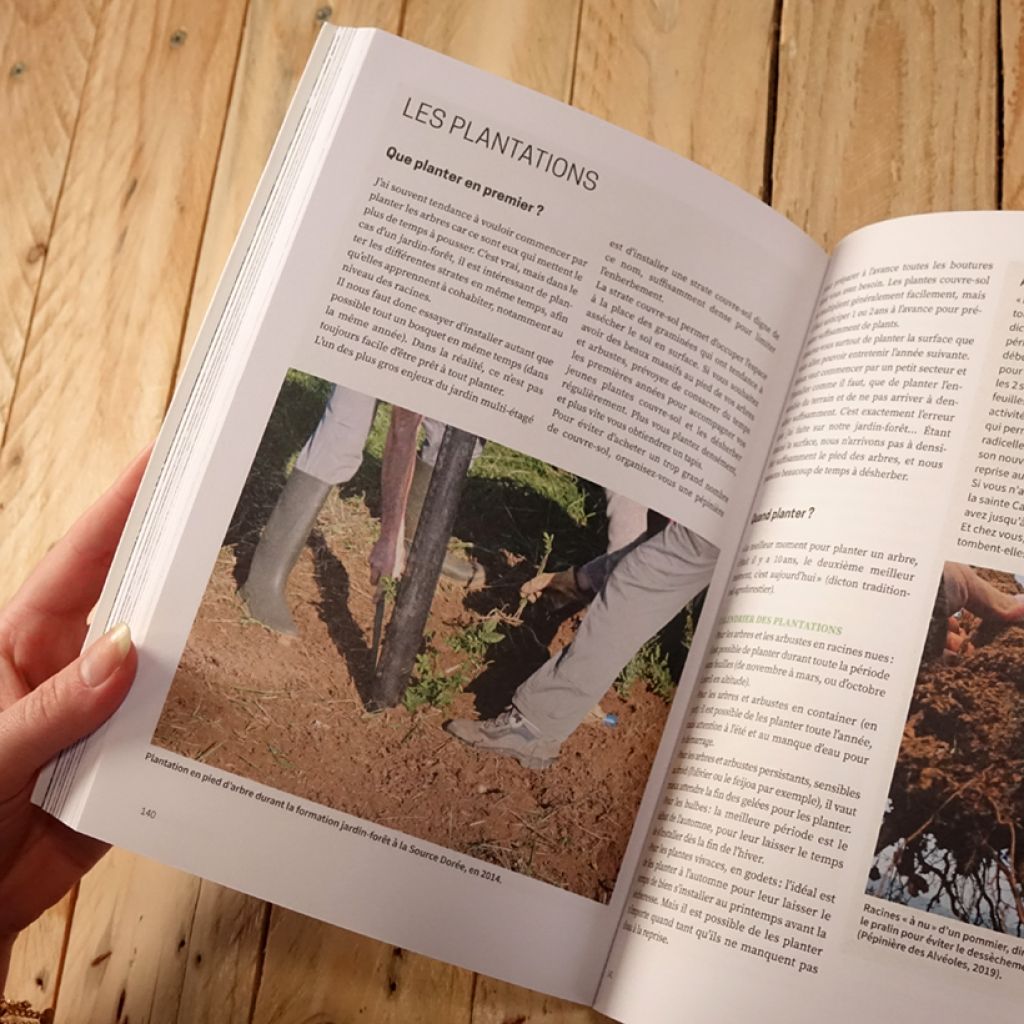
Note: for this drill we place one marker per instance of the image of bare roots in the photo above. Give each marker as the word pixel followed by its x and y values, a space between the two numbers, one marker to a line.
pixel 952 838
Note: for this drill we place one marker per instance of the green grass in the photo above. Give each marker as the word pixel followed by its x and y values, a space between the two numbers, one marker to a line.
pixel 649 665
pixel 562 489
pixel 437 687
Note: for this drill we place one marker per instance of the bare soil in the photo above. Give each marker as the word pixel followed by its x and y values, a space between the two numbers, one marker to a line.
pixel 957 795
pixel 289 713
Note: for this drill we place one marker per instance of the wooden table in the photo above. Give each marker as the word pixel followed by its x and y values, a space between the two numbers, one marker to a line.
pixel 133 135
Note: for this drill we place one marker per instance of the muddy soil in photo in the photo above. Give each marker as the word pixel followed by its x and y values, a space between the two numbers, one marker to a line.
pixel 952 839
pixel 287 712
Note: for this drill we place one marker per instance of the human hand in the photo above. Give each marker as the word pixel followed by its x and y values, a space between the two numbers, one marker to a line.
pixel 964 589
pixel 387 556
pixel 559 589
pixel 50 697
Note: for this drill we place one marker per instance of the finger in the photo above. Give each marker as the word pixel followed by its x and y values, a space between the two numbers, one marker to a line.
pixel 53 858
pixel 378 562
pixel 985 599
pixel 68 706
pixel 70 577
pixel 1008 608
pixel 534 586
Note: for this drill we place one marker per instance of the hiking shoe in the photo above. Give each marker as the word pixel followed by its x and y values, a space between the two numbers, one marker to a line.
pixel 509 735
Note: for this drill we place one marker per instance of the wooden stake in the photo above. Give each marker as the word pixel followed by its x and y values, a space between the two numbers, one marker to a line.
pixel 416 590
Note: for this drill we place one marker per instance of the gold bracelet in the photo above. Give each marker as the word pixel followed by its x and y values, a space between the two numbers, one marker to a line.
pixel 19 1013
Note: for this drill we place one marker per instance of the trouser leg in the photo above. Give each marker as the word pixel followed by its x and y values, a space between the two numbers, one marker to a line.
pixel 651 585
pixel 593 575
pixel 627 520
pixel 334 450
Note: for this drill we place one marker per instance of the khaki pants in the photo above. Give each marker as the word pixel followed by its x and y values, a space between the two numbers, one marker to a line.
pixel 650 585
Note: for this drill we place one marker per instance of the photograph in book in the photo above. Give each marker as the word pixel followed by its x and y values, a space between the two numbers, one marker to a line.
pixel 541 683
pixel 952 836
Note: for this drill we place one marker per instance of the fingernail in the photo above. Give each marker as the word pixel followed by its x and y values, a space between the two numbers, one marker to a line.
pixel 106 655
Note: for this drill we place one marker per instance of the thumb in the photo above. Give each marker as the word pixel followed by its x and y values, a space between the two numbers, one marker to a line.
pixel 68 706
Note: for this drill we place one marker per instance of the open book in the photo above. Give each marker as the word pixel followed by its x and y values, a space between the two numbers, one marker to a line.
pixel 591 374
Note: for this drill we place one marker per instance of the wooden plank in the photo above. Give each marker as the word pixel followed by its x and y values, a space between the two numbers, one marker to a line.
pixel 108 320
pixel 34 973
pixel 318 973
pixel 1012 39
pixel 275 45
pixel 884 109
pixel 106 328
pixel 528 41
pixel 225 949
pixel 149 943
pixel 129 942
pixel 44 55
pixel 495 1002
pixel 676 73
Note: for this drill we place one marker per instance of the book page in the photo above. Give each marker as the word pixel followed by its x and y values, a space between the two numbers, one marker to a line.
pixel 846 802
pixel 606 334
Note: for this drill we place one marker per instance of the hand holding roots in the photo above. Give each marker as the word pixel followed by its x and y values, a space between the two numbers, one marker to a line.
pixel 559 589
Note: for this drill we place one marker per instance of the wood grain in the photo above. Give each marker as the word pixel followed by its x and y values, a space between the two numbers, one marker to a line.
pixel 108 320
pixel 34 974
pixel 691 69
pixel 315 972
pixel 275 45
pixel 44 55
pixel 531 42
pixel 1012 40
pixel 110 308
pixel 224 956
pixel 129 945
pixel 884 109
pixel 495 1002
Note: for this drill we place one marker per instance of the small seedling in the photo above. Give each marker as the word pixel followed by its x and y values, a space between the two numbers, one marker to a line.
pixel 651 665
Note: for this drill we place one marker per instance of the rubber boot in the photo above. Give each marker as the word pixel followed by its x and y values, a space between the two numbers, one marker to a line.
pixel 279 548
pixel 456 565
